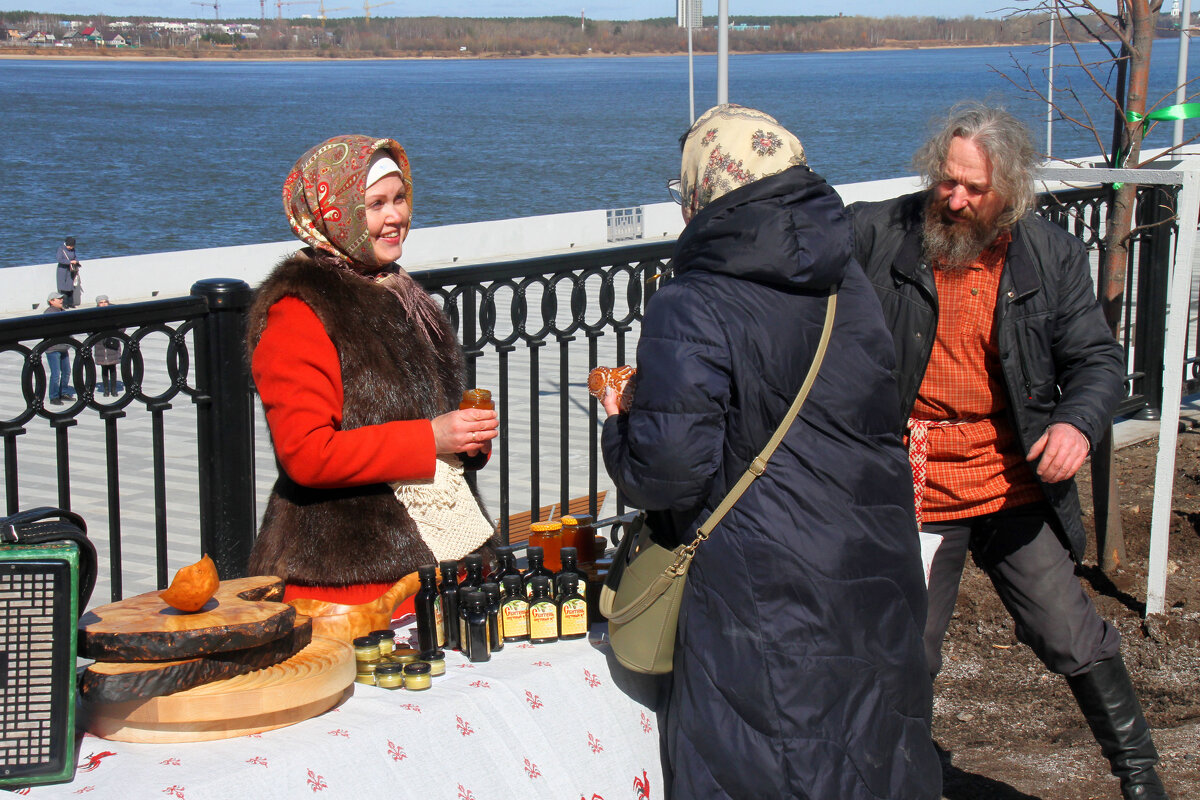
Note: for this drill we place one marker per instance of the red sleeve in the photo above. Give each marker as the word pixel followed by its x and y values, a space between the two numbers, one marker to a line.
pixel 299 379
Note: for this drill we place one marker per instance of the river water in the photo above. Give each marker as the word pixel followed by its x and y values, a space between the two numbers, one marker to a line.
pixel 148 157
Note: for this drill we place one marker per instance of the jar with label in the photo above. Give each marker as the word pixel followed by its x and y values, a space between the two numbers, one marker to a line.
pixel 514 611
pixel 543 613
pixel 547 536
pixel 416 676
pixel 389 676
pixel 572 609
pixel 578 532
pixel 477 398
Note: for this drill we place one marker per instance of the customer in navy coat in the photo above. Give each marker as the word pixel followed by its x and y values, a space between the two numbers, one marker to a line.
pixel 799 670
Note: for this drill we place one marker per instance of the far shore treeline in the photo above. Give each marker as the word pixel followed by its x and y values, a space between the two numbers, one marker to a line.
pixel 474 37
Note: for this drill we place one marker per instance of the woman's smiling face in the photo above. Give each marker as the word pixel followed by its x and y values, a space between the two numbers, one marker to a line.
pixel 388 217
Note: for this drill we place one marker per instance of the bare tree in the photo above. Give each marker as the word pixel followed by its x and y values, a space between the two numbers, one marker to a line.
pixel 1121 77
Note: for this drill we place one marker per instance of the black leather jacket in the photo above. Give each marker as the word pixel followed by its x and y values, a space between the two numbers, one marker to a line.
pixel 1059 360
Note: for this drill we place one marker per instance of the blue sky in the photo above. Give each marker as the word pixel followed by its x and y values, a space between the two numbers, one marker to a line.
pixel 595 9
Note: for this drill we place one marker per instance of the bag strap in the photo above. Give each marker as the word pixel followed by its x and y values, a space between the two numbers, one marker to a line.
pixel 759 465
pixel 46 525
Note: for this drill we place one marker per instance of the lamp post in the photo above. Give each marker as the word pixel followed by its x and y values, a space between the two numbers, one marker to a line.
pixel 1181 79
pixel 722 52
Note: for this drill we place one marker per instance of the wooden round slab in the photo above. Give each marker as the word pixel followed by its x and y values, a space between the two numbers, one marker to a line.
pixel 243 613
pixel 307 684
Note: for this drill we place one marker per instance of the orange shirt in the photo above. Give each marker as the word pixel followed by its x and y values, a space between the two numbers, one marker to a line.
pixel 975 466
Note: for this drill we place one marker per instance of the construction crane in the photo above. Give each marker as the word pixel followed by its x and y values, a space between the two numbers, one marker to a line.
pixel 215 5
pixel 368 6
pixel 325 10
pixel 279 4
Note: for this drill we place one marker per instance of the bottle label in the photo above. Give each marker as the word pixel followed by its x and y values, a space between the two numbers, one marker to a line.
pixel 514 617
pixel 574 617
pixel 543 620
pixel 440 621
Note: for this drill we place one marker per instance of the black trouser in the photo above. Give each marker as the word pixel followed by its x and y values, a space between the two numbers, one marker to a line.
pixel 108 378
pixel 1035 577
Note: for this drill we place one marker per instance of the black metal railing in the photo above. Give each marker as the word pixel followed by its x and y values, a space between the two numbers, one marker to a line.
pixel 531 330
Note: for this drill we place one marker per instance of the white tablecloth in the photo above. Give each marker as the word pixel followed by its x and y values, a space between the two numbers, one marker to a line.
pixel 560 721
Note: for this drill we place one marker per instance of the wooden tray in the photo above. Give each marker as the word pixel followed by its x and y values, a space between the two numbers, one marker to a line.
pixel 244 612
pixel 307 684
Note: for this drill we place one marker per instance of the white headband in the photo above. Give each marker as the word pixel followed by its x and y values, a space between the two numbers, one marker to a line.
pixel 382 165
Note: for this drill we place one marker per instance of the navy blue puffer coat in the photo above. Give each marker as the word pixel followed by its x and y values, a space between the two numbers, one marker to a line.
pixel 799 671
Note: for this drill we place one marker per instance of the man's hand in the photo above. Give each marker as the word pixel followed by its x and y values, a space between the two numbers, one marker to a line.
pixel 1061 450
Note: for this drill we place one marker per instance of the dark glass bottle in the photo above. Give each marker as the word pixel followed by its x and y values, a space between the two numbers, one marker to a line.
pixel 536 567
pixel 506 564
pixel 491 593
pixel 514 611
pixel 570 566
pixel 463 610
pixel 543 612
pixel 572 608
pixel 431 631
pixel 478 647
pixel 474 567
pixel 449 594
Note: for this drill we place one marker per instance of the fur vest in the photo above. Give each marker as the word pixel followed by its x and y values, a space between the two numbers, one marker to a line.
pixel 362 534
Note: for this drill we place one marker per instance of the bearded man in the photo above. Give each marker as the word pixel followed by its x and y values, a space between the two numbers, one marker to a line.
pixel 1008 375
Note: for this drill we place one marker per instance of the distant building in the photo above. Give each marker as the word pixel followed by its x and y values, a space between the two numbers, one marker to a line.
pixel 116 40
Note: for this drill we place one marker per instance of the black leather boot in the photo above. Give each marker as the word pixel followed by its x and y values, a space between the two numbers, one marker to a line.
pixel 1105 696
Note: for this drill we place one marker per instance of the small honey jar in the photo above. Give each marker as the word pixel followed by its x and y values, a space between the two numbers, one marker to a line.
pixel 366 649
pixel 404 655
pixel 416 676
pixel 389 676
pixel 477 398
pixel 387 641
pixel 366 672
pixel 437 663
pixel 548 536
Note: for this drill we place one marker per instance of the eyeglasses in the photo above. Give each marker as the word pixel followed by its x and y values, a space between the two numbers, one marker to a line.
pixel 675 189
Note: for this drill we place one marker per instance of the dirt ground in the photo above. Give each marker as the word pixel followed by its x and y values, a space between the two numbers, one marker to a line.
pixel 1010 730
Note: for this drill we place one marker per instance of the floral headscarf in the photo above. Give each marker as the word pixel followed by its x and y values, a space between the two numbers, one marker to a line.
pixel 324 195
pixel 730 146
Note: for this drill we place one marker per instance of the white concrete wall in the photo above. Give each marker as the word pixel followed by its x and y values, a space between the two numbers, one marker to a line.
pixel 132 278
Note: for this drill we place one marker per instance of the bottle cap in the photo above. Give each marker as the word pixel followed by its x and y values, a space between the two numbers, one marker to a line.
pixel 473 560
pixel 535 551
pixel 569 552
pixel 545 527
pixel 416 668
pixel 427 571
pixel 540 581
pixel 366 641
pixel 380 635
pixel 491 590
pixel 577 519
pixel 388 669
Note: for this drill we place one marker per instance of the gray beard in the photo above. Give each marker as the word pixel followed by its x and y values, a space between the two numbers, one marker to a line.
pixel 954 247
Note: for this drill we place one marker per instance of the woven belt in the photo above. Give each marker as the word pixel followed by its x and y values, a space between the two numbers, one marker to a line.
pixel 918 454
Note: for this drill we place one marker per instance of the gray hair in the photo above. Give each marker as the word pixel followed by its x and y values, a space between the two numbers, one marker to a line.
pixel 1004 140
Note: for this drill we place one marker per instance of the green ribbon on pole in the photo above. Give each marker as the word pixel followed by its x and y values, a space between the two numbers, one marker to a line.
pixel 1181 111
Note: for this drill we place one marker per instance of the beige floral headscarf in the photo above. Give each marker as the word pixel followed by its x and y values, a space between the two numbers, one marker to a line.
pixel 731 146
